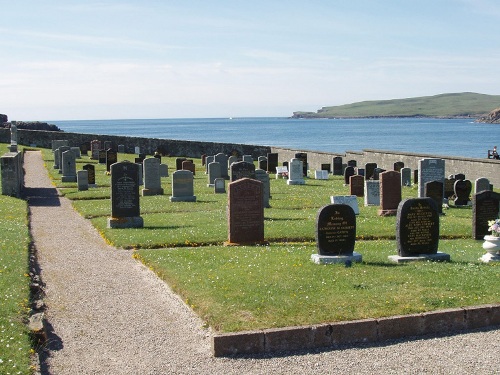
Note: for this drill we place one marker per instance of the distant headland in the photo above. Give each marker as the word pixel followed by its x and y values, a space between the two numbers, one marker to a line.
pixel 454 105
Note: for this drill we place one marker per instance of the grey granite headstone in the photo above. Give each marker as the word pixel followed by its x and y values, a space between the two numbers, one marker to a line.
pixel 295 173
pixel 213 173
pixel 82 178
pixel 302 156
pixel 163 170
pixel 248 158
pixel 372 193
pixel 481 184
pixel 182 187
pixel 121 149
pixel 230 160
pixel 405 176
pixel 262 176
pixel 152 178
pixel 76 151
pixel 242 169
pixel 219 186
pixel 208 160
pixel 68 164
pixel 429 170
pixel 222 160
pixel 349 200
pixel 12 174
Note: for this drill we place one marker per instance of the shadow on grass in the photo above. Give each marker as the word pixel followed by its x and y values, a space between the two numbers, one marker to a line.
pixel 42 197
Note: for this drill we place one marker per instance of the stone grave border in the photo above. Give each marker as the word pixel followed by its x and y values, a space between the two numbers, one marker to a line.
pixel 334 335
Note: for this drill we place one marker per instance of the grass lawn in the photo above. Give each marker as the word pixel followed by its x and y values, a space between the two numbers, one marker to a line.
pixel 15 343
pixel 241 288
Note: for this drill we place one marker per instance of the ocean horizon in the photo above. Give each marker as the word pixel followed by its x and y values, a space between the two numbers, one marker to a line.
pixel 447 137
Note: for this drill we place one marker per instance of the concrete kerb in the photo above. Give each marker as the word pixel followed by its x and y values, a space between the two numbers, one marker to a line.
pixel 357 331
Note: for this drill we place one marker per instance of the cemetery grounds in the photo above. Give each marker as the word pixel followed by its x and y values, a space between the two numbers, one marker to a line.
pixel 255 287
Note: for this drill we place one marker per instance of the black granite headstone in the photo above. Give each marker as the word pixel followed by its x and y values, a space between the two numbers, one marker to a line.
pixel 272 162
pixel 90 168
pixel 111 158
pixel 434 190
pixel 337 166
pixel 242 169
pixel 369 169
pixel 462 192
pixel 302 156
pixel 102 156
pixel 348 172
pixel 417 227
pixel 485 207
pixel 336 230
pixel 124 190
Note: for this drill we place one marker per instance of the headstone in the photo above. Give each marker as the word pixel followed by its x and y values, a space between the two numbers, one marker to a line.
pixel 429 170
pixel 336 235
pixel 208 160
pixel 242 169
pixel 349 200
pixel 352 163
pixel 140 173
pixel 222 160
pixel 262 162
pixel 163 170
pixel 417 231
pixel 182 187
pixel 137 150
pixel 248 158
pixel 372 193
pixel 463 189
pixel 485 207
pixel 397 166
pixel 60 151
pixel 295 173
pixel 151 176
pixel 125 210
pixel 481 184
pixel 359 171
pixel 85 148
pixel 272 162
pixel 348 172
pixel 121 149
pixel 57 159
pixel 82 180
pixel 405 177
pixel 68 163
pixel 369 168
pixel 188 165
pixel 337 165
pixel 262 176
pixel 12 174
pixel 321 175
pixel 102 156
pixel 108 145
pixel 245 212
pixel 111 158
pixel 390 193
pixel 434 190
pixel 90 168
pixel 203 160
pixel 230 160
pixel 357 185
pixel 178 163
pixel 457 176
pixel 376 173
pixel 302 156
pixel 219 186
pixel 76 151
pixel 213 173
pixel 95 147
pixel 56 143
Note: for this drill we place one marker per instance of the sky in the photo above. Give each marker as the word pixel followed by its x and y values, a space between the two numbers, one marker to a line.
pixel 69 60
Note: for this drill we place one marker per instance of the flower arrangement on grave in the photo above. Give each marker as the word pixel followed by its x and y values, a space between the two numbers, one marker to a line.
pixel 494 227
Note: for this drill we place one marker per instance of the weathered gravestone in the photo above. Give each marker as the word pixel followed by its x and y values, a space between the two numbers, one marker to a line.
pixel 321 175
pixel 163 170
pixel 108 145
pixel 272 162
pixel 349 200
pixel 481 184
pixel 376 173
pixel 102 156
pixel 90 168
pixel 68 164
pixel 56 143
pixel 95 147
pixel 302 156
pixel 429 170
pixel 242 169
pixel 137 150
pixel 248 158
pixel 449 188
pixel 203 160
pixel 462 189
pixel 84 148
pixel 12 174
pixel 417 231
pixel 369 169
pixel 405 176
pixel 230 160
pixel 359 171
pixel 125 210
pixel 76 151
pixel 357 185
pixel 390 193
pixel 151 177
pixel 182 187
pixel 485 207
pixel 178 163
pixel 59 153
pixel 82 179
pixel 213 173
pixel 121 149
pixel 434 190
pixel 245 212
pixel 336 235
pixel 219 186
pixel 188 165
pixel 372 193
pixel 262 162
pixel 352 163
pixel 111 158
pixel 262 176
pixel 337 165
pixel 295 173
pixel 208 160
pixel 222 160
pixel 348 172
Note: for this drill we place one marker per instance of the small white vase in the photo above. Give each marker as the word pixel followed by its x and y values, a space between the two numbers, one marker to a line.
pixel 491 244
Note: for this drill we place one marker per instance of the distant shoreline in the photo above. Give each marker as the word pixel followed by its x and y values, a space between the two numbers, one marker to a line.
pixel 308 116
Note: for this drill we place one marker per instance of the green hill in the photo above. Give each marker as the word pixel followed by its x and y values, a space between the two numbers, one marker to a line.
pixel 466 104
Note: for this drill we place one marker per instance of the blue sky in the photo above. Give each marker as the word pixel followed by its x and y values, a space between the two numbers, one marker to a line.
pixel 166 59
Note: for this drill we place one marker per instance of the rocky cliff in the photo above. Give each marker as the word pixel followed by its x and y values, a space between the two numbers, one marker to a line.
pixel 3 118
pixel 30 125
pixel 491 118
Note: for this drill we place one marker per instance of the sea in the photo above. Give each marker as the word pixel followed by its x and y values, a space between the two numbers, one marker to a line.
pixel 446 137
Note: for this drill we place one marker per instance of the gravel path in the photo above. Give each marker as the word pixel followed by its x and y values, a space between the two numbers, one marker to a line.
pixel 108 314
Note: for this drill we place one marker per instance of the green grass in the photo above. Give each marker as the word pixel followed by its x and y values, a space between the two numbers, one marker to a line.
pixel 15 343
pixel 241 288
pixel 444 105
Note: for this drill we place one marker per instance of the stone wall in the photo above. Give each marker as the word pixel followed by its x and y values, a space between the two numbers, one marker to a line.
pixel 472 168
